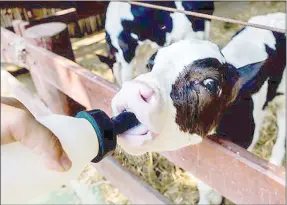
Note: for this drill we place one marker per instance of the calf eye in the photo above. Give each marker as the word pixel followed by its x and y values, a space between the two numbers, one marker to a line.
pixel 150 62
pixel 211 85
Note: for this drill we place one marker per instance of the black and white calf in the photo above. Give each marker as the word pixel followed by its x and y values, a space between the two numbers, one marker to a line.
pixel 192 91
pixel 248 48
pixel 129 27
pixel 180 101
pixel 252 45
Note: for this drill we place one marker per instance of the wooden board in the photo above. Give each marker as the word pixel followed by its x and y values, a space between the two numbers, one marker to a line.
pixel 234 172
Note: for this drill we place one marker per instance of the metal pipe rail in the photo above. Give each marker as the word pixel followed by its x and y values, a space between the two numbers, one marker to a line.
pixel 206 16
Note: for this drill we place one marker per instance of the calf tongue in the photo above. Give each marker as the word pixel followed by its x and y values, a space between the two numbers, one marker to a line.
pixel 127 125
pixel 136 140
pixel 137 130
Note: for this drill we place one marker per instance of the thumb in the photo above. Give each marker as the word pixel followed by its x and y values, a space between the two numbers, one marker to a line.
pixel 41 140
pixel 20 125
pixel 54 155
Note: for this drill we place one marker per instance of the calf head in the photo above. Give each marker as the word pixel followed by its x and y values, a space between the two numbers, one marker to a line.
pixel 180 100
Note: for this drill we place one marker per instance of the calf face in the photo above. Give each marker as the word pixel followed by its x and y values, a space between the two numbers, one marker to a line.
pixel 180 100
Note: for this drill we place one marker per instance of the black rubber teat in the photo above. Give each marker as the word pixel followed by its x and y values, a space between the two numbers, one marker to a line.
pixel 124 122
pixel 108 128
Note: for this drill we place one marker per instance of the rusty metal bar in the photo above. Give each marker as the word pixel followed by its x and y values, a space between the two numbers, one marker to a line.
pixel 206 16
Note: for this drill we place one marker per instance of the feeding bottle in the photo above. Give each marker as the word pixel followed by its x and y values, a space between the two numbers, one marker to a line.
pixel 90 136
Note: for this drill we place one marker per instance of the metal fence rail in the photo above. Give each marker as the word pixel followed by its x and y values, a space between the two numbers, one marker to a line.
pixel 206 16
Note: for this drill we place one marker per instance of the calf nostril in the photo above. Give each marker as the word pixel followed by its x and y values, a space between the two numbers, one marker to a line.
pixel 146 94
pixel 144 98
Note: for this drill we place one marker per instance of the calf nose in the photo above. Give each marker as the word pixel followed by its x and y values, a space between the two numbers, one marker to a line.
pixel 146 93
pixel 137 97
pixel 143 99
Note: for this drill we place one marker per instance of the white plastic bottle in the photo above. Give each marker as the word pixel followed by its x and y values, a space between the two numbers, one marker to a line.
pixel 23 173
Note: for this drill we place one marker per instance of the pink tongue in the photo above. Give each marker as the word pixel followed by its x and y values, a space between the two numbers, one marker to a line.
pixel 138 130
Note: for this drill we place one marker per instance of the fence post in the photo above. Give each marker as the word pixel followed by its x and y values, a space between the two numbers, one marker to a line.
pixel 55 100
pixel 19 26
pixel 53 36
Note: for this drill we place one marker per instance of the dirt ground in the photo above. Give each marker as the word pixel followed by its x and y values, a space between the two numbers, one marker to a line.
pixel 168 179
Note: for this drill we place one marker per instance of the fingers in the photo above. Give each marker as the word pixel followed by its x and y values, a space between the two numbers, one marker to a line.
pixel 21 126
pixel 9 118
pixel 12 102
pixel 6 136
pixel 40 139
pixel 54 155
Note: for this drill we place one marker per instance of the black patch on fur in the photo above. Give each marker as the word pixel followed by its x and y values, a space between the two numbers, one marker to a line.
pixel 205 7
pixel 111 49
pixel 198 112
pixel 275 64
pixel 237 122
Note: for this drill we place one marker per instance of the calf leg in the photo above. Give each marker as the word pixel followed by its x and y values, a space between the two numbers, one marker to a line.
pixel 122 72
pixel 127 73
pixel 207 195
pixel 117 73
pixel 278 150
pixel 258 113
pixel 207 30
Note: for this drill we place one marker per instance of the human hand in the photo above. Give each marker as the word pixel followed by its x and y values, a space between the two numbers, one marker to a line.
pixel 18 124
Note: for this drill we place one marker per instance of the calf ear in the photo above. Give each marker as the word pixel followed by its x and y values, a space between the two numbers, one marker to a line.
pixel 251 78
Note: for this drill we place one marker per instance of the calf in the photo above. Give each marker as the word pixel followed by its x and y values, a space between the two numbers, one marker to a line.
pixel 180 101
pixel 192 92
pixel 184 98
pixel 128 27
pixel 251 45
pixel 248 46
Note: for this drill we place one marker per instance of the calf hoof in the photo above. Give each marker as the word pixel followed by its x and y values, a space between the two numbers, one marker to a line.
pixel 209 198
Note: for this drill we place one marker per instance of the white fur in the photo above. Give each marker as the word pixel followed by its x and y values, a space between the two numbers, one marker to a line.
pixel 248 47
pixel 258 113
pixel 117 11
